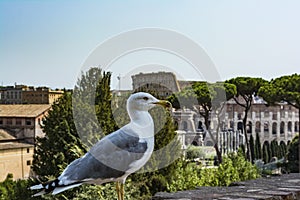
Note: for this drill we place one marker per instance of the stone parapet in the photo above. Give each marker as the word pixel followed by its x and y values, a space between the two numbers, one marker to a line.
pixel 285 187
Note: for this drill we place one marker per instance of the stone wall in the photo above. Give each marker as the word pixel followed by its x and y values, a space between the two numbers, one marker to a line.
pixel 285 187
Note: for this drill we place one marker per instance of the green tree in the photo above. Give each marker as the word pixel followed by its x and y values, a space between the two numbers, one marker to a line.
pixel 167 150
pixel 14 190
pixel 205 98
pixel 193 152
pixel 103 103
pixel 266 154
pixel 247 88
pixel 252 147
pixel 285 88
pixel 274 148
pixel 92 102
pixel 61 144
pixel 283 148
pixel 258 147
pixel 293 155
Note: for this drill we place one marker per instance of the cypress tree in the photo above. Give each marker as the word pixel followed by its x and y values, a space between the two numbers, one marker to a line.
pixel 103 103
pixel 258 148
pixel 161 167
pixel 61 145
pixel 274 148
pixel 265 150
pixel 293 155
pixel 92 106
pixel 252 147
pixel 283 149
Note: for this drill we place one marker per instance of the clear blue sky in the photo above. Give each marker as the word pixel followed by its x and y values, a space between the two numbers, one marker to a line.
pixel 46 42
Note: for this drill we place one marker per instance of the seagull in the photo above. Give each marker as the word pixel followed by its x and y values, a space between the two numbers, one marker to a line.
pixel 114 157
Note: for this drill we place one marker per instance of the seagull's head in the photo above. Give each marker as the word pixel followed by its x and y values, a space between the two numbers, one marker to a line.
pixel 144 101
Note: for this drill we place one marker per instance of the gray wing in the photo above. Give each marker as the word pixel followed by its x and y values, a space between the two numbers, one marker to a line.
pixel 111 157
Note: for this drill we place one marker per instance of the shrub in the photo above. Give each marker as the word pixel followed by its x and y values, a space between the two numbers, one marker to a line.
pixel 193 152
pixel 293 156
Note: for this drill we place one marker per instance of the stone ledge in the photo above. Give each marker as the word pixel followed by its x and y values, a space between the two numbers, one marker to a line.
pixel 285 187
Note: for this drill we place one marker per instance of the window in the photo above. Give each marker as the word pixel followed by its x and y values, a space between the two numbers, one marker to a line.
pixel 9 121
pixel 267 114
pixel 290 126
pixel 296 126
pixel 275 116
pixel 28 162
pixel 1 121
pixel 28 150
pixel 18 121
pixel 282 127
pixel 249 127
pixel 28 122
pixel 274 128
pixel 257 127
pixel 266 127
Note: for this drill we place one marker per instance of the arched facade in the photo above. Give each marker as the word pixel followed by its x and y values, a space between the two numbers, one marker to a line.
pixel 272 123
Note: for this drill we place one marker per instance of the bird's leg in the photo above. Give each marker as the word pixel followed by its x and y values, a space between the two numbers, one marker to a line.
pixel 122 191
pixel 118 190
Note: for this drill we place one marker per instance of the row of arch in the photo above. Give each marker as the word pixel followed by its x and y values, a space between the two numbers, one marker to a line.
pixel 274 128
pixel 258 127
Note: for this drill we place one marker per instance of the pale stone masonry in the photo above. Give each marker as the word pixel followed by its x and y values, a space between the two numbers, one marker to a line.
pixel 16 159
pixel 285 187
pixel 23 121
pixel 280 122
pixel 165 83
pixel 22 94
pixel 20 124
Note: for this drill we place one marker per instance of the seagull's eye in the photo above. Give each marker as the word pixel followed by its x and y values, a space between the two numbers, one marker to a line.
pixel 145 98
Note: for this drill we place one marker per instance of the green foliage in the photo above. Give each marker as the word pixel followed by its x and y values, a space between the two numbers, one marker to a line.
pixel 193 152
pixel 204 98
pixel 187 176
pixel 119 109
pixel 266 154
pixel 233 168
pixel 285 88
pixel 92 106
pixel 246 88
pixel 252 147
pixel 61 145
pixel 64 144
pixel 274 151
pixel 107 191
pixel 103 103
pixel 293 156
pixel 152 177
pixel 14 190
pixel 258 148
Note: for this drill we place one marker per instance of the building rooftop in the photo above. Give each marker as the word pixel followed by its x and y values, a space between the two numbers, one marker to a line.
pixel 23 110
pixel 14 145
pixel 4 135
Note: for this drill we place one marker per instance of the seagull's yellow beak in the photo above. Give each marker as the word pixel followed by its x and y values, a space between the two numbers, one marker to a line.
pixel 164 103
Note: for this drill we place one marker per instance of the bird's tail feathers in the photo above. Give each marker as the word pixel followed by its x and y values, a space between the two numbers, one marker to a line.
pixel 37 187
pixel 61 189
pixel 52 187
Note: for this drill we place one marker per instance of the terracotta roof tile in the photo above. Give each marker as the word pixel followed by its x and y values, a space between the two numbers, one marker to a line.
pixel 23 110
